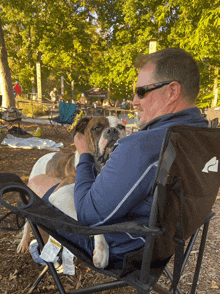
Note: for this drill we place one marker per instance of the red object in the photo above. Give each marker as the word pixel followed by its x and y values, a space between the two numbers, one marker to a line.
pixel 124 121
pixel 17 89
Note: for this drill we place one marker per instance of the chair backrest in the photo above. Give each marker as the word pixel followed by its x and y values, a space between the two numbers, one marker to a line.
pixel 187 180
pixel 66 111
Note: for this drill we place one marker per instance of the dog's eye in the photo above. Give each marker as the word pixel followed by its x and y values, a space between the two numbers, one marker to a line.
pixel 120 127
pixel 97 129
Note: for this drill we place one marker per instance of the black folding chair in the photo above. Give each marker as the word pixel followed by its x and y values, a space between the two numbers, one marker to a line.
pixel 185 188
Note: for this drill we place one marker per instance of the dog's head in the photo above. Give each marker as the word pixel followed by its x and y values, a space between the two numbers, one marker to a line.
pixel 101 134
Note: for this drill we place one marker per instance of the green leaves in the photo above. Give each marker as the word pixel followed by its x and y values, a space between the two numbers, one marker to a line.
pixel 95 42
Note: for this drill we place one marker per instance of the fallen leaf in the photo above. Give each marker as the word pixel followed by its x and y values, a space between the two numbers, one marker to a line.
pixel 13 276
pixel 51 287
pixel 214 285
pixel 68 288
pixel 24 178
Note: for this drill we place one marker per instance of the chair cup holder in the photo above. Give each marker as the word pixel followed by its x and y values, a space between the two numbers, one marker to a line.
pixel 14 196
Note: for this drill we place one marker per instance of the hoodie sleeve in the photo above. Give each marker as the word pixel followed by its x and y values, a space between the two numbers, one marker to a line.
pixel 119 187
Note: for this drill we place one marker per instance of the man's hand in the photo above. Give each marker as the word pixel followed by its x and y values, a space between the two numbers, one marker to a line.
pixel 80 143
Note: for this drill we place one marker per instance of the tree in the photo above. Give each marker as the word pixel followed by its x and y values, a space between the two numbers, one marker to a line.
pixel 194 26
pixel 8 95
pixel 96 42
pixel 127 28
pixel 60 34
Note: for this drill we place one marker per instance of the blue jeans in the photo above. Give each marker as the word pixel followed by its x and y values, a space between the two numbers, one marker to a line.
pixel 84 242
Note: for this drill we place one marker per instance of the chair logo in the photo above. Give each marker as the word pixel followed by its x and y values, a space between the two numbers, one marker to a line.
pixel 211 165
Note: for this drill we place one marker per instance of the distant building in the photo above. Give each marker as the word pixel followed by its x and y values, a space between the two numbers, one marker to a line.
pixel 96 93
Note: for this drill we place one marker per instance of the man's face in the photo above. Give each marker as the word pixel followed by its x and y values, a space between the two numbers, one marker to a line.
pixel 155 103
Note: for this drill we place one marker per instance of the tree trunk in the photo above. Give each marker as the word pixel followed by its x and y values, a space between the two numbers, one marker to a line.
pixel 215 88
pixel 108 95
pixel 5 73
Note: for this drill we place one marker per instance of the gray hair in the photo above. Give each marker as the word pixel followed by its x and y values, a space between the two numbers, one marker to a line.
pixel 174 64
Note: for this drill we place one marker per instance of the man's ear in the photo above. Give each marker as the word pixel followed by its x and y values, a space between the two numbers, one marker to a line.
pixel 80 126
pixel 173 91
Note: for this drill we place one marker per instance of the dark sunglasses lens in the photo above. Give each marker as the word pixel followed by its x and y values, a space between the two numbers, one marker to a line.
pixel 140 92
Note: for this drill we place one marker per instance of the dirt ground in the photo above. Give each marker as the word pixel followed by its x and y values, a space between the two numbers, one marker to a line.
pixel 19 271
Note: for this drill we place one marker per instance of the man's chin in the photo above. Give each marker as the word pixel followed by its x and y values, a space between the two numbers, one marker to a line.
pixel 140 124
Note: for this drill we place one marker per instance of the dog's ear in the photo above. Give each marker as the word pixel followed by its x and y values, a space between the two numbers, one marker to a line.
pixel 80 126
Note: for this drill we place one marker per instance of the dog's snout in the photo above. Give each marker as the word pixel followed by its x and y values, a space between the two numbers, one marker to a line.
pixel 111 131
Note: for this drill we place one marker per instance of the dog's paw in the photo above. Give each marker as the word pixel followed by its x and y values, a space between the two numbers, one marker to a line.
pixel 22 247
pixel 101 252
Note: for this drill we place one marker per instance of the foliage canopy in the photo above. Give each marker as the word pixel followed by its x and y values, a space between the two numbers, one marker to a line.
pixel 95 42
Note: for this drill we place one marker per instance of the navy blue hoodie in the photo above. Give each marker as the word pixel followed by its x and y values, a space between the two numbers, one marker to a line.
pixel 122 191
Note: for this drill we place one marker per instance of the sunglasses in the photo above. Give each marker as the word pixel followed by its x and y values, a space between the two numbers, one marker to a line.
pixel 141 91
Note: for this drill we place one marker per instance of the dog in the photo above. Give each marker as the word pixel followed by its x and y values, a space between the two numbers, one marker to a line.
pixel 101 133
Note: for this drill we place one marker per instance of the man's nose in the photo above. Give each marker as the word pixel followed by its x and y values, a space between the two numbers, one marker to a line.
pixel 136 100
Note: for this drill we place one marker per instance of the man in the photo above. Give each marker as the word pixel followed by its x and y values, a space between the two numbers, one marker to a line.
pixel 167 87
pixel 123 104
pixel 17 88
pixel 54 96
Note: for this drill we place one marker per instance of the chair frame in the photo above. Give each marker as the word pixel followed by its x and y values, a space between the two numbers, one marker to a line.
pixel 144 278
pixel 56 124
pixel 144 284
pixel 145 269
pixel 10 122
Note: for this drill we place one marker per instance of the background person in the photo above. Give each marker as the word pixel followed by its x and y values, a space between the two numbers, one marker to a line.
pixel 205 112
pixel 123 104
pixel 167 87
pixel 54 96
pixel 117 104
pixel 17 89
pixel 136 114
pixel 62 99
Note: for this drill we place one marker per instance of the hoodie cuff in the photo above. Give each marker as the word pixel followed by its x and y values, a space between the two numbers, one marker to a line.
pixel 86 157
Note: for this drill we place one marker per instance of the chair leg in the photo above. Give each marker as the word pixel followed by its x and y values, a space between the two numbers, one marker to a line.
pixel 49 264
pixel 171 278
pixel 41 275
pixel 99 288
pixel 161 290
pixel 186 256
pixel 200 256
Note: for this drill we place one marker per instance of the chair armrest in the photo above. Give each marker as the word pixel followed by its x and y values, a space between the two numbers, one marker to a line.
pixel 39 212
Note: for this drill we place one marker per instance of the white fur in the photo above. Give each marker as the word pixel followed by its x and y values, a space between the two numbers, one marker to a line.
pixel 113 123
pixel 77 156
pixel 38 169
pixel 66 202
pixel 40 166
pixel 101 251
pixel 63 199
pixel 23 245
pixel 66 205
